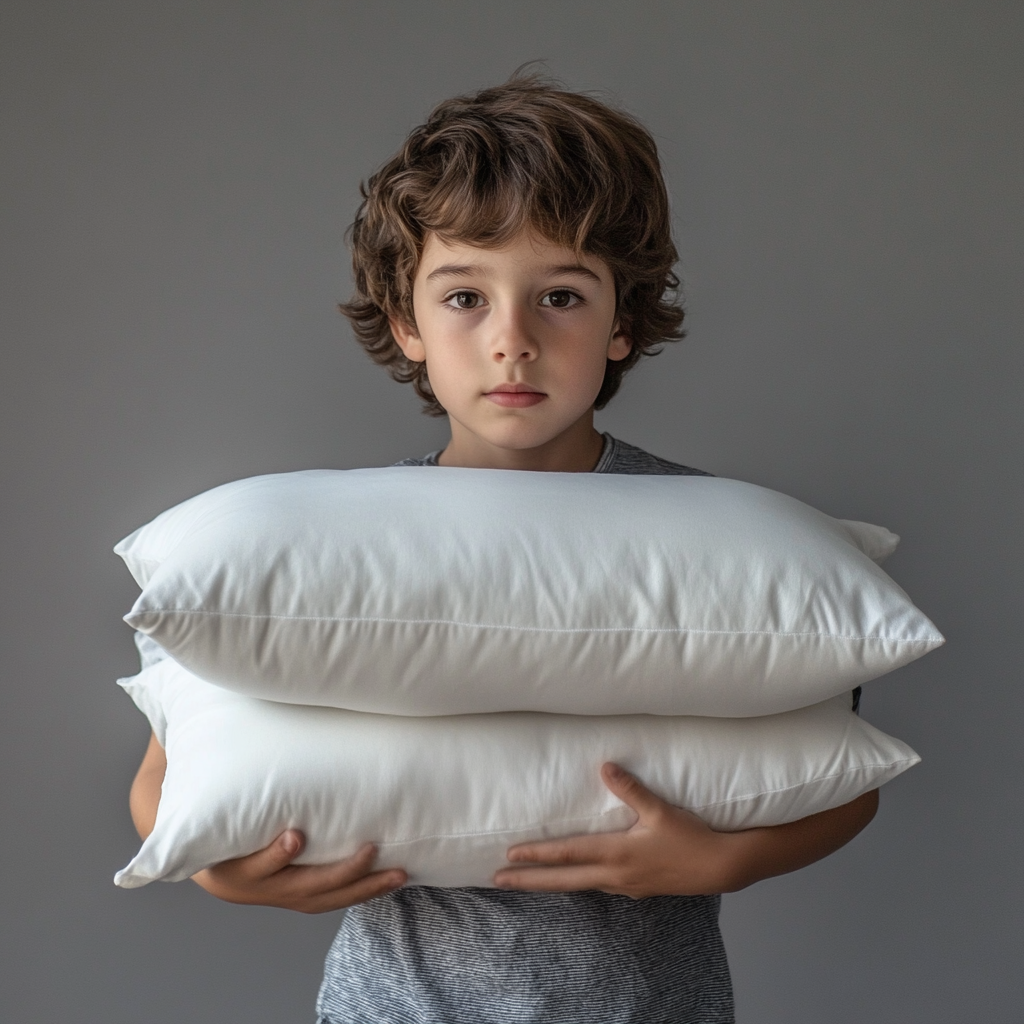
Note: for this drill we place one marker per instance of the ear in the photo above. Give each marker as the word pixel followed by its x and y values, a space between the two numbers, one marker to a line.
pixel 619 345
pixel 408 340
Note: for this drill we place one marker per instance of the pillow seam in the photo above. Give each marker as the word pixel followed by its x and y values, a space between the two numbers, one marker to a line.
pixel 521 629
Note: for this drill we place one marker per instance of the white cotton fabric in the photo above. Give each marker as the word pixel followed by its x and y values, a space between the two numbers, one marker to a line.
pixel 437 591
pixel 444 797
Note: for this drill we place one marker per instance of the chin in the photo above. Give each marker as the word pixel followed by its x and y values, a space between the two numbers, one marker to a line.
pixel 516 430
pixel 516 441
pixel 524 441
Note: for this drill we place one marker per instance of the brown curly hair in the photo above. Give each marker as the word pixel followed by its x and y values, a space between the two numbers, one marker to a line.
pixel 525 154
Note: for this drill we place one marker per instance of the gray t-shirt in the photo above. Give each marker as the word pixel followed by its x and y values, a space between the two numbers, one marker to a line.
pixel 490 956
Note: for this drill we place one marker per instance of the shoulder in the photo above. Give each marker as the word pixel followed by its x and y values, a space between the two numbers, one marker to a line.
pixel 620 457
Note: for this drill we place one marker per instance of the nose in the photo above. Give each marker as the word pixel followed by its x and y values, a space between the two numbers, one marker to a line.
pixel 512 340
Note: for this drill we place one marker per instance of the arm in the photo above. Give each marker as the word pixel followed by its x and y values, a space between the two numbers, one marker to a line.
pixel 670 851
pixel 267 877
pixel 144 797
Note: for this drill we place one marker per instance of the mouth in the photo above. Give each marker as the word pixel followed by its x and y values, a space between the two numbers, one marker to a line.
pixel 514 396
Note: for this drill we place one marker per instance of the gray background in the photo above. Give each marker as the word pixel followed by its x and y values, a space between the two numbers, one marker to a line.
pixel 846 180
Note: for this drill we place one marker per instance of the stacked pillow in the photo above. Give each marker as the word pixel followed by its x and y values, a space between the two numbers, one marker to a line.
pixel 431 620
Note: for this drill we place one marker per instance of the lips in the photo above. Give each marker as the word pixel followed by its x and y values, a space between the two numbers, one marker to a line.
pixel 514 396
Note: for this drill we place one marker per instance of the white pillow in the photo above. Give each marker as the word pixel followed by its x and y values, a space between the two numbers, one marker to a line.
pixel 445 797
pixel 428 591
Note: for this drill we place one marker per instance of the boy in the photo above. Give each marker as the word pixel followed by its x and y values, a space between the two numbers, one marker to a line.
pixel 512 262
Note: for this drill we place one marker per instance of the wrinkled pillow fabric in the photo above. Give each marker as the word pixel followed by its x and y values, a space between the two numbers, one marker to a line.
pixel 444 797
pixel 437 591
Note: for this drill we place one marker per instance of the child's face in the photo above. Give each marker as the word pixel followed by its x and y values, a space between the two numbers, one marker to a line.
pixel 515 339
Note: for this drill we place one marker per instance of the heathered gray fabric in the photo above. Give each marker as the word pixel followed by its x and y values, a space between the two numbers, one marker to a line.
pixel 489 956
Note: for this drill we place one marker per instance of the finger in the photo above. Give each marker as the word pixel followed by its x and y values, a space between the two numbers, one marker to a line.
pixel 366 888
pixel 631 791
pixel 547 879
pixel 575 850
pixel 310 888
pixel 314 879
pixel 271 859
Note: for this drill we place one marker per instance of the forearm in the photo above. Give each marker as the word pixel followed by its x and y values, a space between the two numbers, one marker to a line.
pixel 145 792
pixel 759 853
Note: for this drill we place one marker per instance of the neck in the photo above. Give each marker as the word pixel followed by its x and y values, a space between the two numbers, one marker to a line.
pixel 577 450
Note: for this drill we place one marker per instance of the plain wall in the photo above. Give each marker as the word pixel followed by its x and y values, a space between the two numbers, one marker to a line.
pixel 176 181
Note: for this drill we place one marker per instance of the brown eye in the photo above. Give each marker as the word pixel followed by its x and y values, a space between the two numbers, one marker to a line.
pixel 560 299
pixel 466 300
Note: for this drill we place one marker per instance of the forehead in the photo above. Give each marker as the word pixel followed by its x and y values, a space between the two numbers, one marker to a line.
pixel 526 254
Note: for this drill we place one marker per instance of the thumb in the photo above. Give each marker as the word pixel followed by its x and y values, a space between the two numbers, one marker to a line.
pixel 630 790
pixel 279 854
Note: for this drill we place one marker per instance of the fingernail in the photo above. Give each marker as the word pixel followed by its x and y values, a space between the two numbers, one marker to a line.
pixel 290 842
pixel 614 771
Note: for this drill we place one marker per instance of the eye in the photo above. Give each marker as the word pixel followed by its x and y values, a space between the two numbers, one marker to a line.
pixel 561 298
pixel 464 300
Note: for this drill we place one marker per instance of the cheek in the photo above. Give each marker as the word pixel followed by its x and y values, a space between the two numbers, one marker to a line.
pixel 450 366
pixel 585 361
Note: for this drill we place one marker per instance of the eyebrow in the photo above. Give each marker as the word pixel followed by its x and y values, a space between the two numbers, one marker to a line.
pixel 467 269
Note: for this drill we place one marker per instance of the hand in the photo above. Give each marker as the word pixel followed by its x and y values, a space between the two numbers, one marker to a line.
pixel 669 851
pixel 268 878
